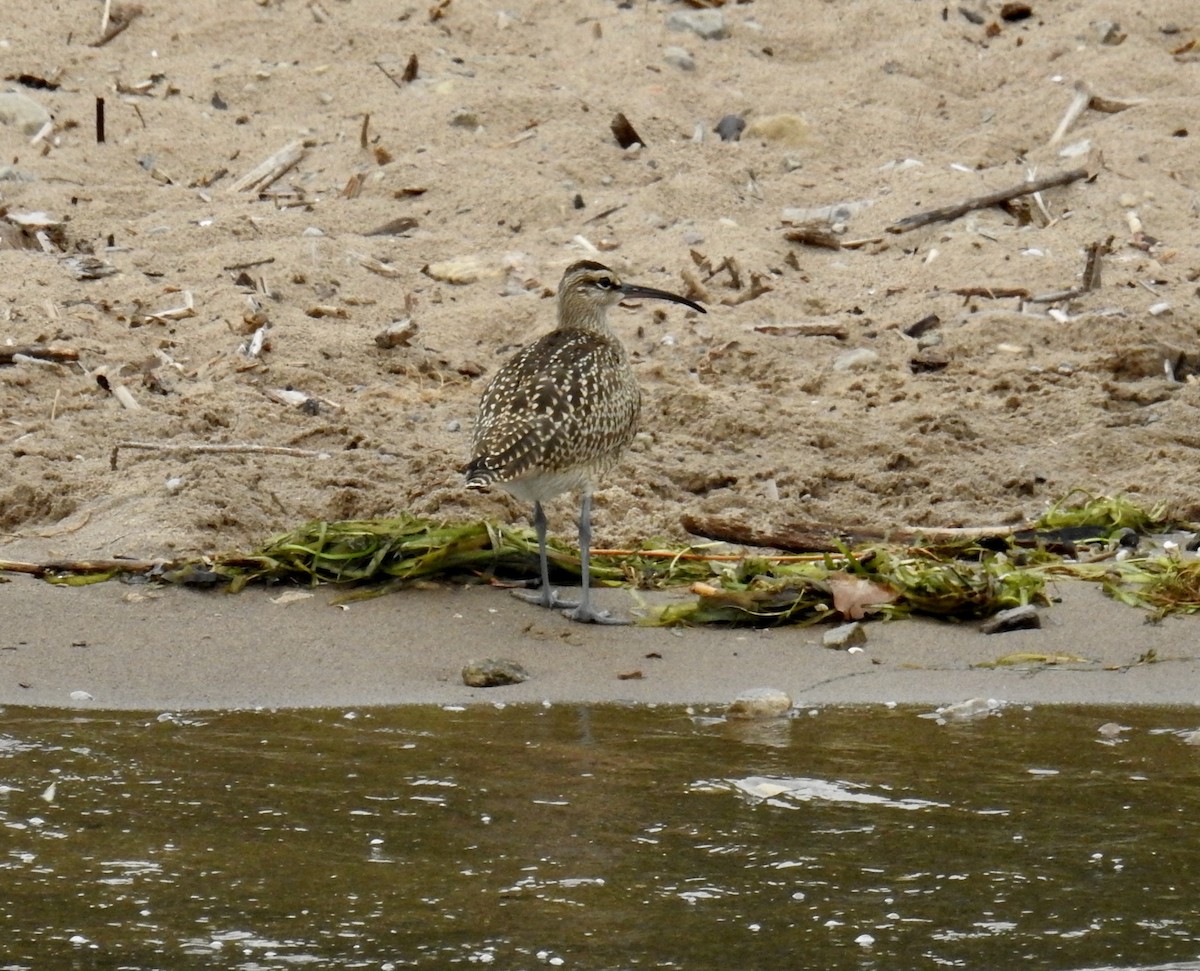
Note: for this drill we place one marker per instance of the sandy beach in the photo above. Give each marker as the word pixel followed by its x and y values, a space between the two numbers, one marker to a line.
pixel 340 312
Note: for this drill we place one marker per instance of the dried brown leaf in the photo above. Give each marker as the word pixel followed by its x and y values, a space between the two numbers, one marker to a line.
pixel 854 596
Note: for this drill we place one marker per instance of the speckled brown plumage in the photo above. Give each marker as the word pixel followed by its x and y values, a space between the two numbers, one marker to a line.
pixel 563 410
pixel 557 416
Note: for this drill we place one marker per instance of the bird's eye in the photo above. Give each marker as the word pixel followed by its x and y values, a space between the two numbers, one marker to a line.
pixel 605 282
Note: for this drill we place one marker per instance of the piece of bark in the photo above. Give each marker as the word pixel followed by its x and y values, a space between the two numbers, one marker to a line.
pixel 814 234
pixel 624 132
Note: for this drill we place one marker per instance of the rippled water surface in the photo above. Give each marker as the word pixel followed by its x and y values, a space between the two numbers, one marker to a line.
pixel 599 837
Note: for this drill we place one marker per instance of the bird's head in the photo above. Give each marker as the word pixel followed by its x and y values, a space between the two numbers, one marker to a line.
pixel 588 289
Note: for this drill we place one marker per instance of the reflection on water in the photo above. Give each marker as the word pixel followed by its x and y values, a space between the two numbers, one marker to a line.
pixel 599 838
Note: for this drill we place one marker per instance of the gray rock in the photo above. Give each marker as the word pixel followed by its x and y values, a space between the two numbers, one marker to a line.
pixel 730 128
pixel 844 637
pixel 969 709
pixel 759 703
pixel 492 672
pixel 709 24
pixel 858 359
pixel 680 58
pixel 1015 618
pixel 20 111
pixel 10 173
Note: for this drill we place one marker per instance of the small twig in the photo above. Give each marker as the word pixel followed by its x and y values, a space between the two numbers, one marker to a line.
pixel 992 293
pixel 605 214
pixel 946 213
pixel 1056 296
pixel 390 77
pixel 271 168
pixel 809 328
pixel 248 266
pixel 80 566
pixel 859 243
pixel 206 448
pixel 113 26
pixel 711 557
pixel 1077 107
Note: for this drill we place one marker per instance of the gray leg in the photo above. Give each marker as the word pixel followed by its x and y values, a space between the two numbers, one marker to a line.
pixel 545 597
pixel 584 613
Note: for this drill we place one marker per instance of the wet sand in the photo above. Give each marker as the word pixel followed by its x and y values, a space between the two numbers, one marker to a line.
pixel 134 647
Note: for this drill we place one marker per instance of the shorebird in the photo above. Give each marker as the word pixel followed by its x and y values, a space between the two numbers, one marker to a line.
pixel 560 413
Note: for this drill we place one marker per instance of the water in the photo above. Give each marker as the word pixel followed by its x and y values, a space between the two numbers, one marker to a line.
pixel 599 838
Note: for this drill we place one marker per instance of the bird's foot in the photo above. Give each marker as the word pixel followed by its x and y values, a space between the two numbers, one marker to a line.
pixel 587 614
pixel 545 597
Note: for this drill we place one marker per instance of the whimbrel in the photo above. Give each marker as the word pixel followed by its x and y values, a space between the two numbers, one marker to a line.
pixel 561 412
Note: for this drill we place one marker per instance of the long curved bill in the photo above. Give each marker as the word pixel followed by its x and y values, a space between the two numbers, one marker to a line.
pixel 650 293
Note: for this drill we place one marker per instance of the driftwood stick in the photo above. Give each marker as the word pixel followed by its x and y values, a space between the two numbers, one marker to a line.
pixel 41 352
pixel 811 537
pixel 206 448
pixel 271 168
pixel 946 213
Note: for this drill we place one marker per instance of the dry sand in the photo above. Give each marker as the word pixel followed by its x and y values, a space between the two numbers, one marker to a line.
pixel 499 154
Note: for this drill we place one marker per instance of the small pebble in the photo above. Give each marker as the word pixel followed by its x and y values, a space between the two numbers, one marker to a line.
pixel 709 24
pixel 20 111
pixel 844 637
pixel 679 57
pixel 730 128
pixel 1025 617
pixel 492 672
pixel 759 703
pixel 857 360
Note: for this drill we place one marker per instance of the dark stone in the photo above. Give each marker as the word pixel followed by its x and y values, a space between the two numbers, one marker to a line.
pixel 730 128
pixel 492 672
pixel 1015 618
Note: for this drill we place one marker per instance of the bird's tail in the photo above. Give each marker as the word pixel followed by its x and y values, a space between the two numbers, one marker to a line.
pixel 479 476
